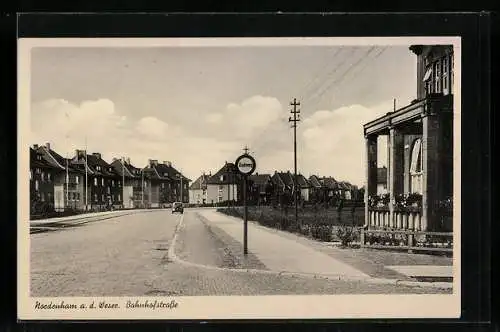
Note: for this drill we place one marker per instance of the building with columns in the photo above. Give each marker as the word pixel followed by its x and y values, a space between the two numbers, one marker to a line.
pixel 420 150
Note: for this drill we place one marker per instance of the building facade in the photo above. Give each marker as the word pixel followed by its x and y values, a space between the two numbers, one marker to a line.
pixel 420 145
pixel 198 190
pixel 223 186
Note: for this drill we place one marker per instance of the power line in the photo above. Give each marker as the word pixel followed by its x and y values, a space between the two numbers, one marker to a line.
pixel 363 57
pixel 330 74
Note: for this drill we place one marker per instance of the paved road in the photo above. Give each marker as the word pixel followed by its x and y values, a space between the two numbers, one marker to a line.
pixel 128 256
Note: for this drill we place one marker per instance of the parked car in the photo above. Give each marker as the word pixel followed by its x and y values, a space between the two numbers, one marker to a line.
pixel 177 207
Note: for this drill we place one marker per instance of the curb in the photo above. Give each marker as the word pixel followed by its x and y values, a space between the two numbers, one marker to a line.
pixel 174 258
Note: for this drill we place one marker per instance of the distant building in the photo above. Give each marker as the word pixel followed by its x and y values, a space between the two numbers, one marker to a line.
pixel 261 188
pixel 198 190
pixel 223 185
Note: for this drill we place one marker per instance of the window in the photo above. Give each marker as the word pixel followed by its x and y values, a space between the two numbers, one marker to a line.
pixel 49 196
pixel 42 196
pixel 416 167
pixel 162 185
pixel 119 184
pixel 102 182
pixel 48 177
pixel 77 179
pixel 113 183
pixel 119 197
pixel 95 197
pixel 31 174
pixel 77 196
pixel 446 76
pixel 95 181
pixel 38 171
pixel 102 197
pixel 222 178
pixel 437 76
pixel 43 176
pixel 109 190
pixel 36 185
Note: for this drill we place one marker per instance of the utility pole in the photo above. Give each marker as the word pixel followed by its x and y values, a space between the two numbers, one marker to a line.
pixel 142 182
pixel 123 181
pixel 294 120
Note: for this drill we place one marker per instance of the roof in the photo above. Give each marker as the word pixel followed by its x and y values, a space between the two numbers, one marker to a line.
pixel 381 175
pixel 122 167
pixel 227 174
pixel 329 182
pixel 200 182
pixel 37 160
pixel 169 172
pixel 314 181
pixel 302 181
pixel 345 185
pixel 260 179
pixel 104 169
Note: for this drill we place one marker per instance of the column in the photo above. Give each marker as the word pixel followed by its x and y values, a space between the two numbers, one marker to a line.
pixel 430 164
pixel 395 169
pixel 371 171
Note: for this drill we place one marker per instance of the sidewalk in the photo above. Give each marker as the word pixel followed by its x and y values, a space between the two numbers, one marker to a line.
pixel 280 254
pixel 286 252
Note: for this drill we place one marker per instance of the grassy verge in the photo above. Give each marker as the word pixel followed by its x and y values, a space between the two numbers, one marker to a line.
pixel 318 223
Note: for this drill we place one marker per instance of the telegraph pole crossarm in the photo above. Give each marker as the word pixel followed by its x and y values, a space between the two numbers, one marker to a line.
pixel 294 120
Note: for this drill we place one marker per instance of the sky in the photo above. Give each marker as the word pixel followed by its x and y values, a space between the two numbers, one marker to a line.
pixel 199 106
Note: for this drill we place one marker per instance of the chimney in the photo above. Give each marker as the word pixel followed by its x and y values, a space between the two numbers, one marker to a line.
pixel 97 155
pixel 47 145
pixel 128 160
pixel 35 146
pixel 153 162
pixel 115 159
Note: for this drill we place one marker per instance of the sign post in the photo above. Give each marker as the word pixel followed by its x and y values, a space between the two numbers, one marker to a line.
pixel 246 166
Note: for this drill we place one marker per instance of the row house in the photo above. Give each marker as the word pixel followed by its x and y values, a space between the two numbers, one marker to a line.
pixel 175 187
pixel 42 176
pixel 160 187
pixel 64 183
pixel 131 177
pixel 285 186
pixel 104 185
pixel 224 185
pixel 198 190
pixel 420 148
pixel 261 188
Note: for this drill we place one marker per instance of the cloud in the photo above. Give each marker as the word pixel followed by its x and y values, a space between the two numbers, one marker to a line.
pixel 152 128
pixel 69 126
pixel 333 141
pixel 329 142
pixel 247 118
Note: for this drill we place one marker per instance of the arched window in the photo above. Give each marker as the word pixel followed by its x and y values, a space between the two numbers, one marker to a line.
pixel 416 167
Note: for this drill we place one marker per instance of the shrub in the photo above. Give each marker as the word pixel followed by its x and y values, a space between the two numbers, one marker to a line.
pixel 347 235
pixel 322 232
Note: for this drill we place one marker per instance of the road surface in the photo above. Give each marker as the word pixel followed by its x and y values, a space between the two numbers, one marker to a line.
pixel 128 256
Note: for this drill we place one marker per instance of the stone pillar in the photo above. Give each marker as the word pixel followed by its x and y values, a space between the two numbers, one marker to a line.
pixel 395 169
pixel 371 171
pixel 431 167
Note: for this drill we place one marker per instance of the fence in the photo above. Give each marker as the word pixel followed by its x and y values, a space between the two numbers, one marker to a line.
pixel 412 240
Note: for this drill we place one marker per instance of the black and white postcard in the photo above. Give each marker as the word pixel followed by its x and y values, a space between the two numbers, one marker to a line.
pixel 239 178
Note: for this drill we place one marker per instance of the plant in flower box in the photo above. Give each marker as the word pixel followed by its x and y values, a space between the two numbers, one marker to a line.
pixel 414 200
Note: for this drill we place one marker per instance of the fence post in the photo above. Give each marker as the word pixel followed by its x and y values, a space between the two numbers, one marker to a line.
pixel 362 237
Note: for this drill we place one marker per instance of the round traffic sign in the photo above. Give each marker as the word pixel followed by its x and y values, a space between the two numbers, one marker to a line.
pixel 245 164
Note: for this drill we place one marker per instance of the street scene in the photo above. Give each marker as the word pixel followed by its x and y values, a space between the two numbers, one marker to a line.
pixel 199 253
pixel 225 170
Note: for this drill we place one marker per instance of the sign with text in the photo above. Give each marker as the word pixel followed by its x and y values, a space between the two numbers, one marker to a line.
pixel 245 164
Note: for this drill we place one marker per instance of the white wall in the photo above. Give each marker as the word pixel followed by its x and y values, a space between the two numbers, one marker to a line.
pixel 213 192
pixel 305 194
pixel 128 201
